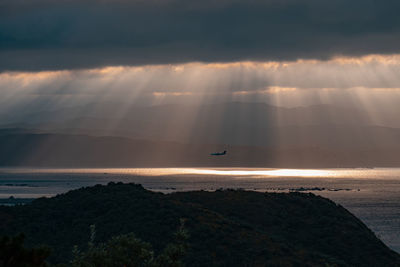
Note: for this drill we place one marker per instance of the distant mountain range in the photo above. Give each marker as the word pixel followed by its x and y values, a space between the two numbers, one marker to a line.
pixel 177 135
pixel 60 150
pixel 248 124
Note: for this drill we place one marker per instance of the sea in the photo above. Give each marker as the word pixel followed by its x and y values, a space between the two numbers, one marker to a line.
pixel 371 194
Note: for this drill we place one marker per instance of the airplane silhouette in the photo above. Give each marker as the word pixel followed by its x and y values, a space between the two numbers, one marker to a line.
pixel 218 153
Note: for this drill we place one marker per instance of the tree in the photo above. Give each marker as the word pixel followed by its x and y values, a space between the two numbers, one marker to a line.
pixel 129 251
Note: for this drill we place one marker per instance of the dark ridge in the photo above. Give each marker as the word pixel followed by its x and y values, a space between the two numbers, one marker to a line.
pixel 227 227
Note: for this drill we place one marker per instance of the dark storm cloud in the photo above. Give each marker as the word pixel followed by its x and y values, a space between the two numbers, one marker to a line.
pixel 70 34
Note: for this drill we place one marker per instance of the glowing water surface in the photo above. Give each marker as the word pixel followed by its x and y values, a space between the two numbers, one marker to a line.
pixel 364 173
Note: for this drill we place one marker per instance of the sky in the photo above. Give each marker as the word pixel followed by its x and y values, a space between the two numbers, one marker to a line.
pixel 149 52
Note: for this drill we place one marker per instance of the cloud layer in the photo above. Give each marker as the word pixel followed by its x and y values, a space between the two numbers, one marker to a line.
pixel 373 80
pixel 70 34
pixel 213 78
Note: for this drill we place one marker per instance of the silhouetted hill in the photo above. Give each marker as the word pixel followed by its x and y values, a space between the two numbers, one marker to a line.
pixel 60 150
pixel 227 228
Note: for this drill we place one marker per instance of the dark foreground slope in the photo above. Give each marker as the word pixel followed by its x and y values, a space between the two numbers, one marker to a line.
pixel 227 228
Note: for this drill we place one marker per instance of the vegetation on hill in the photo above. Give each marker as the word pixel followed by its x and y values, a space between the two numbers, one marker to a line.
pixel 122 250
pixel 129 251
pixel 226 227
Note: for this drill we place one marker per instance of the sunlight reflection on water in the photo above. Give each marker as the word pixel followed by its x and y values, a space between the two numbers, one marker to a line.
pixel 364 173
pixel 262 173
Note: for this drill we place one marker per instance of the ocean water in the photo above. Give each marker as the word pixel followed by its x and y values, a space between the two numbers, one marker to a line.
pixel 373 195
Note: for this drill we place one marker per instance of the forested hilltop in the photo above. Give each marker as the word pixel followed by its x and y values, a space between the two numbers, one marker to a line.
pixel 225 228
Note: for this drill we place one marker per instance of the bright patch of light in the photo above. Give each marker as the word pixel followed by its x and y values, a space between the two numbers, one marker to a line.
pixel 262 173
pixel 239 173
